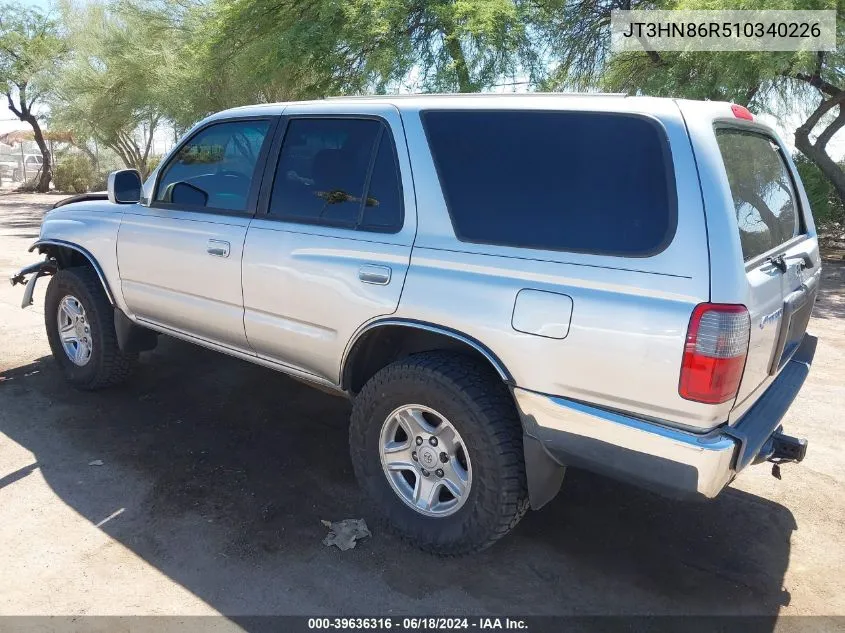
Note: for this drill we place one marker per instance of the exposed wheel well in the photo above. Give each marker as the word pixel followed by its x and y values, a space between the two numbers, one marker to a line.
pixel 65 256
pixel 69 256
pixel 385 344
pixel 131 337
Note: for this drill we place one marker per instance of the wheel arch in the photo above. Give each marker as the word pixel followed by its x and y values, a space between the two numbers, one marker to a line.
pixel 381 342
pixel 68 254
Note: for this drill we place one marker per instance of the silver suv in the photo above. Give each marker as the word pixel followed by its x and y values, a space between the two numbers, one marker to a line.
pixel 505 286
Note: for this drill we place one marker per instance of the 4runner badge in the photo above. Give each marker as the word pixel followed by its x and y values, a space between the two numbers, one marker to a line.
pixel 771 318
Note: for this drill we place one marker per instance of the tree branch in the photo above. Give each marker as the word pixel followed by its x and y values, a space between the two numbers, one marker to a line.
pixel 824 107
pixel 12 107
pixel 751 93
pixel 830 130
pixel 153 126
pixel 816 151
pixel 817 82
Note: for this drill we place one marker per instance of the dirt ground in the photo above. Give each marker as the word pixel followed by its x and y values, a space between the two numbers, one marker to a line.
pixel 215 475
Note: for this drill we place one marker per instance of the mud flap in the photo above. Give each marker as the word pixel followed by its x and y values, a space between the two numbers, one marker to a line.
pixel 543 473
pixel 131 337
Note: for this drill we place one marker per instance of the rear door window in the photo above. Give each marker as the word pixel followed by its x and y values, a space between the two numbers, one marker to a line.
pixel 338 172
pixel 762 190
pixel 588 182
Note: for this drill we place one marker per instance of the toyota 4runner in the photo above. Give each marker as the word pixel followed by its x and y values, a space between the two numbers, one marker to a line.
pixel 504 285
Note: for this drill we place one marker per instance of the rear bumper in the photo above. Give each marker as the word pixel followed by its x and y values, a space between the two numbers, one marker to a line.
pixel 656 456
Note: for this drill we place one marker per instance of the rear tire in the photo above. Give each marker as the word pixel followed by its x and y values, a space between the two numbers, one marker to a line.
pixel 480 412
pixel 78 291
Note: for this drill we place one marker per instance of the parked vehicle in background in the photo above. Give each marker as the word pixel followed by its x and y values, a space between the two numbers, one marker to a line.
pixel 505 285
pixel 12 167
pixel 8 164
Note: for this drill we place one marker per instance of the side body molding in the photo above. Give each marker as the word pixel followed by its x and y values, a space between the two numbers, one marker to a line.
pixel 82 251
pixel 428 327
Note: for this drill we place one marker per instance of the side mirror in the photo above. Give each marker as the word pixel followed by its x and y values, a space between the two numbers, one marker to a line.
pixel 124 186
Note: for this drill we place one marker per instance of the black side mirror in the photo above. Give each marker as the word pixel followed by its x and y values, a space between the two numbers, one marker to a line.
pixel 184 193
pixel 124 186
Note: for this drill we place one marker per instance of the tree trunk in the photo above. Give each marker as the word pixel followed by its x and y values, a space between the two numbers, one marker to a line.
pixel 817 152
pixel 47 157
pixel 147 147
pixel 24 112
pixel 453 47
pixel 824 162
pixel 457 54
pixel 83 147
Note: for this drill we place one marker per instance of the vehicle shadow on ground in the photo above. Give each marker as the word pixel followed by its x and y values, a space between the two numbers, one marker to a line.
pixel 221 471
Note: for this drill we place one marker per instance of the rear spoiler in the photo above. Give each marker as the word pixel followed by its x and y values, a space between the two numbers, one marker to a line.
pixel 82 197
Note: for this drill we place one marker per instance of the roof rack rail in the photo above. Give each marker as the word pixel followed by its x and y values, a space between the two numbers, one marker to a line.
pixel 480 94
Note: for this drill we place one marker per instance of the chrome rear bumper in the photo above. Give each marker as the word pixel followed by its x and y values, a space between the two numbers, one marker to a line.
pixel 656 456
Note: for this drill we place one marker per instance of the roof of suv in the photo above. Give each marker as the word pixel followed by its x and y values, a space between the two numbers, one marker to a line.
pixel 475 100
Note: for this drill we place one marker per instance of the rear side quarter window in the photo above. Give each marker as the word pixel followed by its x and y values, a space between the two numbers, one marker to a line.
pixel 590 182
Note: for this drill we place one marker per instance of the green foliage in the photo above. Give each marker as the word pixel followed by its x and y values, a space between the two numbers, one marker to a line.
pixel 113 86
pixel 133 64
pixel 825 204
pixel 725 76
pixel 30 46
pixel 311 49
pixel 100 181
pixel 153 162
pixel 789 81
pixel 74 173
pixel 30 186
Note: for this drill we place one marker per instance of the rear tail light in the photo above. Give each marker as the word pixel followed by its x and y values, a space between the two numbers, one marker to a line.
pixel 714 353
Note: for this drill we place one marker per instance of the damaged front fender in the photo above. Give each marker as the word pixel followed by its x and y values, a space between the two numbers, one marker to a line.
pixel 39 269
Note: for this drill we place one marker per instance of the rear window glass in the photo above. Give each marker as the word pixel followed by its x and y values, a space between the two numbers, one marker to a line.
pixel 762 191
pixel 567 181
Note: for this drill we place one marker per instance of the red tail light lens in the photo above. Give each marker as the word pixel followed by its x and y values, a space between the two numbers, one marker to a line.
pixel 714 353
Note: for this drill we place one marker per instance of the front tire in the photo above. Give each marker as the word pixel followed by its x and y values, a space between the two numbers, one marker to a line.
pixel 464 489
pixel 80 330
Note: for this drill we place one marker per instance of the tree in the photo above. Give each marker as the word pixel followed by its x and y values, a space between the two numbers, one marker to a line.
pixel 755 79
pixel 169 41
pixel 108 88
pixel 311 49
pixel 30 47
pixel 826 205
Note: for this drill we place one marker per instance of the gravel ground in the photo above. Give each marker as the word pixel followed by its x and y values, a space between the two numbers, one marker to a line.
pixel 215 475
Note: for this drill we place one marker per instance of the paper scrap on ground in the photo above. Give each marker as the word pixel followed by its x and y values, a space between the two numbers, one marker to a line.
pixel 344 533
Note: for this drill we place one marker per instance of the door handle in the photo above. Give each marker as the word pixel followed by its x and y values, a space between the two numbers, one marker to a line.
pixel 218 248
pixel 371 274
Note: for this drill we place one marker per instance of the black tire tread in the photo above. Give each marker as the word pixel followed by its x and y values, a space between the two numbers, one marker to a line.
pixel 114 366
pixel 493 405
